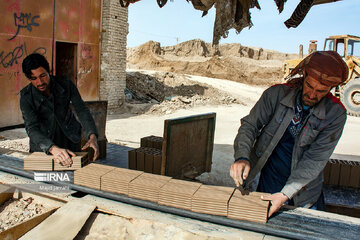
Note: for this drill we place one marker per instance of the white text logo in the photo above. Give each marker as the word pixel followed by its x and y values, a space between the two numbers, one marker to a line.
pixel 51 177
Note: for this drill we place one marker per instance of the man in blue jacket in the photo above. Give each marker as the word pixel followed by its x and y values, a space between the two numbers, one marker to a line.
pixel 291 132
pixel 49 120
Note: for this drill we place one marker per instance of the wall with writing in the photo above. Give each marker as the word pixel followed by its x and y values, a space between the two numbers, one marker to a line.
pixel 29 26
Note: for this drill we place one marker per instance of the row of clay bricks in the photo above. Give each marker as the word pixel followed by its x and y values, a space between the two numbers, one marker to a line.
pixel 145 159
pixel 192 196
pixel 151 142
pixel 342 173
pixel 40 161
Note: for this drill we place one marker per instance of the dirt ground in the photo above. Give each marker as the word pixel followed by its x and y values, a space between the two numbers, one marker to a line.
pixel 229 61
pixel 15 211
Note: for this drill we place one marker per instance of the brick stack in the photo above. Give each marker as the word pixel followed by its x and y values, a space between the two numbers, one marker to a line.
pixel 248 207
pixel 192 196
pixel 148 157
pixel 212 200
pixel 118 180
pixel 40 161
pixel 147 186
pixel 152 142
pixel 90 175
pixel 342 173
pixel 178 193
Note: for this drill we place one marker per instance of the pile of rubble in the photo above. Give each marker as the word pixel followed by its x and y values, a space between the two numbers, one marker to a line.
pixel 16 211
pixel 165 92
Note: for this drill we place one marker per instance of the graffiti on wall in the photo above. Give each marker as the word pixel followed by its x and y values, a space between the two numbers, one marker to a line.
pixel 11 58
pixel 8 59
pixel 24 20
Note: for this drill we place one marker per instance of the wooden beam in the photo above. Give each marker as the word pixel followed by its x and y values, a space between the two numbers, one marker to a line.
pixel 65 223
pixel 6 193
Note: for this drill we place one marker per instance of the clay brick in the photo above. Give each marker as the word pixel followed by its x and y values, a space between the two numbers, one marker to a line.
pixel 132 159
pixel 140 160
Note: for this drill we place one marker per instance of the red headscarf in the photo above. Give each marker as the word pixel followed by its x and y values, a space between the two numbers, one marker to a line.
pixel 325 66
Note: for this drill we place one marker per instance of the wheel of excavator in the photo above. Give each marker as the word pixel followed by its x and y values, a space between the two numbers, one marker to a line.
pixel 350 97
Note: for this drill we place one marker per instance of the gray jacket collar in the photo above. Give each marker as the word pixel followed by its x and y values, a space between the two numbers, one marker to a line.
pixel 319 110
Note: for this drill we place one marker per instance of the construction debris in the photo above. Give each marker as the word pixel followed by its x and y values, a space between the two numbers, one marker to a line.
pixel 16 211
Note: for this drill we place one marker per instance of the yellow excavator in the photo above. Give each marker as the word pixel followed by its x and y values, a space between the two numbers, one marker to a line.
pixel 348 46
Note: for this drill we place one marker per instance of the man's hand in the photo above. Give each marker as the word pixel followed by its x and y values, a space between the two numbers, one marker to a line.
pixel 62 156
pixel 277 200
pixel 92 142
pixel 239 171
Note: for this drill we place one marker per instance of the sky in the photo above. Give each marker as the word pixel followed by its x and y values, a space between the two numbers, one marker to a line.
pixel 178 21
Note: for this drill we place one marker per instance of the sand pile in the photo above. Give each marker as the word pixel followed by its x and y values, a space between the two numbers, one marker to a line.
pixel 228 61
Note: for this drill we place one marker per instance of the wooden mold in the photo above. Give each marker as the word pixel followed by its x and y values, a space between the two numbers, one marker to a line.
pixel 188 146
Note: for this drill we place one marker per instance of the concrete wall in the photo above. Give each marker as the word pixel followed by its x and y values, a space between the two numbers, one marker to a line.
pixel 113 53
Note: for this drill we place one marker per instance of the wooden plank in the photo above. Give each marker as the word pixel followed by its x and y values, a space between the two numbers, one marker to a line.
pixel 6 192
pixel 19 230
pixel 188 145
pixel 210 144
pixel 63 223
